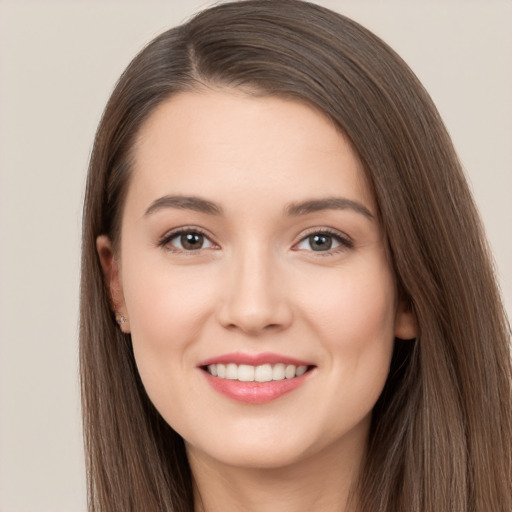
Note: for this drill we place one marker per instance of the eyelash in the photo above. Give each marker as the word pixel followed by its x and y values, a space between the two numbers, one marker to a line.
pixel 166 239
pixel 344 241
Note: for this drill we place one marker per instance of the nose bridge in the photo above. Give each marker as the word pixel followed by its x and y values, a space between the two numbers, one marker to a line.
pixel 253 298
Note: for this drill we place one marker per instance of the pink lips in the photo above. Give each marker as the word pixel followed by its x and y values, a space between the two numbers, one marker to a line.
pixel 253 359
pixel 254 392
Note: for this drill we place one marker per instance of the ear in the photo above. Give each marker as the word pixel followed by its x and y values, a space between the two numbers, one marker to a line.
pixel 406 325
pixel 111 273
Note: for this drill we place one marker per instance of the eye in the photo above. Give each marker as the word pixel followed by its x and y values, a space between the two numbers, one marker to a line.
pixel 323 241
pixel 187 240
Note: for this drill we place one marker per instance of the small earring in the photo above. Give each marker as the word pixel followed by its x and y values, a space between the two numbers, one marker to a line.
pixel 120 319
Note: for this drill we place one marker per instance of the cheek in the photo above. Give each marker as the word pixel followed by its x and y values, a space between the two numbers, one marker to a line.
pixel 166 310
pixel 354 323
pixel 166 307
pixel 353 309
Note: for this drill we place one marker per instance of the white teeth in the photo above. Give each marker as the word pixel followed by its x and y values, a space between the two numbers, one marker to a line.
pixel 232 371
pixel 278 372
pixel 221 371
pixel 301 370
pixel 289 372
pixel 262 373
pixel 246 373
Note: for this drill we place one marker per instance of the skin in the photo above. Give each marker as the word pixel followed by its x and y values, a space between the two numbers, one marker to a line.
pixel 255 286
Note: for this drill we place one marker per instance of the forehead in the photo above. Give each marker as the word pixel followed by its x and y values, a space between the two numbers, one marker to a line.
pixel 208 142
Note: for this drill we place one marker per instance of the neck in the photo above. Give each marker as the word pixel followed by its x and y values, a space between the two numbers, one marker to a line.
pixel 322 483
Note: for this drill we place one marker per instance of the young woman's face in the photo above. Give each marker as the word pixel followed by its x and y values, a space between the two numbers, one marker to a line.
pixel 253 273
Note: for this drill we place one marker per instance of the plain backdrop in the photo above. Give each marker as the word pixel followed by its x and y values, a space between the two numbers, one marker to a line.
pixel 58 64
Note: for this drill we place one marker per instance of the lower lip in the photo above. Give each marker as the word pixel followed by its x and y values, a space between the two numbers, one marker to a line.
pixel 254 392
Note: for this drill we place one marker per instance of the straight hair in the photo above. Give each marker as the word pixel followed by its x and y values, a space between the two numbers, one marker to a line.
pixel 440 437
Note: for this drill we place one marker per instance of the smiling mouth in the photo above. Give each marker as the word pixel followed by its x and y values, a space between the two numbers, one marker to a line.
pixel 261 373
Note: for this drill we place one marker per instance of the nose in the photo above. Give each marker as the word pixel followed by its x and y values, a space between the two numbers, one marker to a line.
pixel 254 298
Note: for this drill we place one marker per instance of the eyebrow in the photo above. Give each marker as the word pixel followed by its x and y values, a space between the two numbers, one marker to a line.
pixel 184 203
pixel 328 203
pixel 200 205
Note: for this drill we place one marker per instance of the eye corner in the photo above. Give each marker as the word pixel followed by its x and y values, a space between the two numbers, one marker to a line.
pixel 334 242
pixel 185 246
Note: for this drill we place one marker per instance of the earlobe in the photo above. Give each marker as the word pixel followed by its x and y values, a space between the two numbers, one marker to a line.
pixel 110 266
pixel 406 324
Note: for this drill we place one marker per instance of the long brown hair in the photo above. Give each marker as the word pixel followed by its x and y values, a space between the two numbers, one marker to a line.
pixel 441 432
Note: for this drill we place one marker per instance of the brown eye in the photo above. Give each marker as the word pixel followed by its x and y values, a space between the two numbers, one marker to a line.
pixel 324 241
pixel 187 241
pixel 191 241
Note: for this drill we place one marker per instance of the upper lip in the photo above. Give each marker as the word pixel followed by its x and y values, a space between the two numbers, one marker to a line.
pixel 254 359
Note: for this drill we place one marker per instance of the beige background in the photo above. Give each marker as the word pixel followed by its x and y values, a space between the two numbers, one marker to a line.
pixel 58 63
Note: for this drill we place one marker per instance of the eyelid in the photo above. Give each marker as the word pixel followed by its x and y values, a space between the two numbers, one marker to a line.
pixel 344 240
pixel 165 239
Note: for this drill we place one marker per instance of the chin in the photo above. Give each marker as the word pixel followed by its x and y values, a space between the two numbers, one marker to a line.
pixel 251 455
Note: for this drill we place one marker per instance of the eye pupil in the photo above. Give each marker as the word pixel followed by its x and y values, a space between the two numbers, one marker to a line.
pixel 191 241
pixel 320 242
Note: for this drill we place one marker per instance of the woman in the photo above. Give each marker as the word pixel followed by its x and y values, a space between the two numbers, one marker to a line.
pixel 287 298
